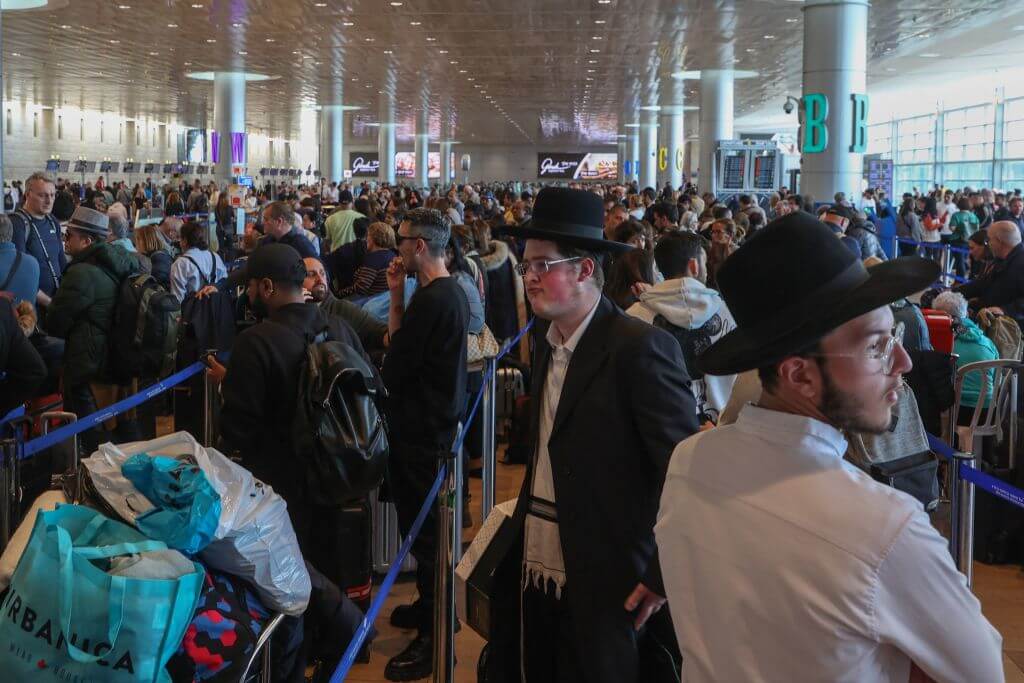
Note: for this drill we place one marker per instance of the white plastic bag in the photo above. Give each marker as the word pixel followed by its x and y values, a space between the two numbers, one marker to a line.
pixel 48 501
pixel 254 539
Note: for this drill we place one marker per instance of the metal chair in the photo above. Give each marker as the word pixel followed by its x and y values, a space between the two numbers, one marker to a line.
pixel 262 653
pixel 988 420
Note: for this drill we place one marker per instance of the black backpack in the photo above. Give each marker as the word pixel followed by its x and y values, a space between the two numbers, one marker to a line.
pixel 206 324
pixel 338 427
pixel 142 342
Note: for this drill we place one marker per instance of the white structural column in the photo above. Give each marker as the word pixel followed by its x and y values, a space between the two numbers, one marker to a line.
pixel 332 143
pixel 716 119
pixel 672 134
pixel 648 149
pixel 423 148
pixel 228 118
pixel 835 63
pixel 386 138
pixel 622 152
pixel 634 155
pixel 446 164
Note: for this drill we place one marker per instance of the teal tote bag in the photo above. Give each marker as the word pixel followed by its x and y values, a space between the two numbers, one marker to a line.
pixel 65 618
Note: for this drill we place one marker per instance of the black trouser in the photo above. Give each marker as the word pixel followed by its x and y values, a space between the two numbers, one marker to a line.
pixel 472 445
pixel 549 651
pixel 79 399
pixel 411 473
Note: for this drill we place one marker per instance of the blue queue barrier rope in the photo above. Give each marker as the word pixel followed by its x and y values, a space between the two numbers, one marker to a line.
pixel 13 415
pixel 933 245
pixel 983 480
pixel 78 426
pixel 997 487
pixel 356 644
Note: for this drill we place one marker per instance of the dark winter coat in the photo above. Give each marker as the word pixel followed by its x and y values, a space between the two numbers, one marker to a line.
pixel 82 310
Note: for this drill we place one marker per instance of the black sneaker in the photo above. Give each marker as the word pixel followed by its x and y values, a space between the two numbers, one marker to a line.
pixel 414 662
pixel 408 617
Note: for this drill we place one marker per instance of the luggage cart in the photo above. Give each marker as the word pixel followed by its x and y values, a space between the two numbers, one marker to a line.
pixel 261 673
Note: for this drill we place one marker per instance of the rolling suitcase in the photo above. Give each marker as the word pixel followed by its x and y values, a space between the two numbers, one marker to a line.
pixel 387 539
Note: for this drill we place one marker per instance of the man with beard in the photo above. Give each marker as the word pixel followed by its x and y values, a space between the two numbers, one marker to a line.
pixel 783 562
pixel 371 331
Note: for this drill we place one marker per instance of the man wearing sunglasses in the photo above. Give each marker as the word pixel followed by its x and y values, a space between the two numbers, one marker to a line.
pixel 581 587
pixel 425 373
pixel 782 561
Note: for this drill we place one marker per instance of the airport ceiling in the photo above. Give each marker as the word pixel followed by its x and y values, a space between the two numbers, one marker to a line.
pixel 489 71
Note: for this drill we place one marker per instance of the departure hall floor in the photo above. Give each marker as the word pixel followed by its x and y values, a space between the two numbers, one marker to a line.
pixel 1000 589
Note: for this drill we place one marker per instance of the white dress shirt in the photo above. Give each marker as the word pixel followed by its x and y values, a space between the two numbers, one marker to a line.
pixel 783 562
pixel 543 551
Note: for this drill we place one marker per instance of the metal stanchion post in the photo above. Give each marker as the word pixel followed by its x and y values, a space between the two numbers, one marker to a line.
pixel 8 481
pixel 1012 460
pixel 458 467
pixel 448 538
pixel 209 411
pixel 962 516
pixel 489 448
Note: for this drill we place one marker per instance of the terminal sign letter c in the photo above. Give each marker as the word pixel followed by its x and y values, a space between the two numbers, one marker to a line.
pixel 662 158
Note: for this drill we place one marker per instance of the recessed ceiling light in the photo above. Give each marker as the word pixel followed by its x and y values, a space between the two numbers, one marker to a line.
pixel 124 7
pixel 598 21
pixel 65 26
pixel 188 63
pixel 930 54
pixel 591 61
pixel 453 62
pixel 792 20
pixel 589 78
pixel 596 38
pixel 15 54
pixel 769 37
pixel 430 40
pixel 594 50
pixel 236 25
pixel 462 71
pixel 270 40
pixel 211 40
pixel 154 54
pixel 197 6
pixel 443 52
pixel 750 49
pixel 114 42
pixel 415 23
pixel 396 4
pixel 387 52
pixel 347 23
pixel 470 79
pixel 604 2
pixel 369 40
pixel 242 52
pixel 319 4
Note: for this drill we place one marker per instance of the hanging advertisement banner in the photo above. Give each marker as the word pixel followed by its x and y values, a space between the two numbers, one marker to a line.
pixel 577 166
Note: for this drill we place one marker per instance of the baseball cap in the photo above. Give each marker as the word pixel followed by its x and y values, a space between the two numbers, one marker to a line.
pixel 278 262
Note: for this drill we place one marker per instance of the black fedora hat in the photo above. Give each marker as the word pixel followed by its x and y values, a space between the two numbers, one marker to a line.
pixel 792 284
pixel 572 217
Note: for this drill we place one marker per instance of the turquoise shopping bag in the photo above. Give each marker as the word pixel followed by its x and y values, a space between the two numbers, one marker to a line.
pixel 65 618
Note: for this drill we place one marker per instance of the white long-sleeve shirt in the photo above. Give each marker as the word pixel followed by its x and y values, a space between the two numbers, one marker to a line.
pixel 783 562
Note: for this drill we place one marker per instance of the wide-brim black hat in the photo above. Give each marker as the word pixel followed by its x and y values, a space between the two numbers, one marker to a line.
pixel 792 284
pixel 571 217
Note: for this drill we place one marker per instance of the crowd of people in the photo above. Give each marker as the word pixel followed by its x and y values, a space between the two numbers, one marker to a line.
pixel 656 309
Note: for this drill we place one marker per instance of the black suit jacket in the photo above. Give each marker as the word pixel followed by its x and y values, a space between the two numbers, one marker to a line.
pixel 624 406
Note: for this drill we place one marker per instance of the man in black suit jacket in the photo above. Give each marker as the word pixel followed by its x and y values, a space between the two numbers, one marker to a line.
pixel 611 401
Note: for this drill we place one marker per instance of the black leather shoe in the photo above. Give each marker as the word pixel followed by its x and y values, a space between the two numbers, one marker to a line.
pixel 412 663
pixel 408 617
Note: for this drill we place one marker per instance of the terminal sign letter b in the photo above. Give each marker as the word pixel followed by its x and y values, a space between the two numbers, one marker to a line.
pixel 815 113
